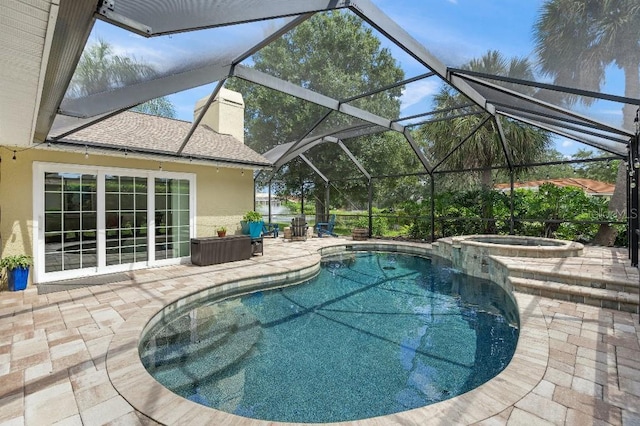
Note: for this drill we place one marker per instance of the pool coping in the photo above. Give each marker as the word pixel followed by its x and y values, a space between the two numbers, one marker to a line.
pixel 149 397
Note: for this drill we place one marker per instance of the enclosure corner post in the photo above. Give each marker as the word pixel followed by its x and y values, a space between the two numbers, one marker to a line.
pixel 512 219
pixel 433 208
pixel 370 207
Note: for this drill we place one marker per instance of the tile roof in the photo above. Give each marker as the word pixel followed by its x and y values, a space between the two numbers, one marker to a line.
pixel 138 132
pixel 590 186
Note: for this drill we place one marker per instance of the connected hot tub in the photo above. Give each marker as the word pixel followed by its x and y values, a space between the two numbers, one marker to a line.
pixel 471 253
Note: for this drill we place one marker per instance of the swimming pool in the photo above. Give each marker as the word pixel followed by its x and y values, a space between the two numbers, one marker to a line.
pixel 375 333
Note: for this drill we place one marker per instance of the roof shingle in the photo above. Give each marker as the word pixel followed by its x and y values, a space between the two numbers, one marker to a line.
pixel 137 131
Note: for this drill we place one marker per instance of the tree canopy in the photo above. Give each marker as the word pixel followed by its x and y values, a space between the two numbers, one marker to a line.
pixel 576 40
pixel 100 70
pixel 482 149
pixel 334 54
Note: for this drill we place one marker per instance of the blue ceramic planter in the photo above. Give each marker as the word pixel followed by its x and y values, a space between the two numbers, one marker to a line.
pixel 17 278
pixel 255 229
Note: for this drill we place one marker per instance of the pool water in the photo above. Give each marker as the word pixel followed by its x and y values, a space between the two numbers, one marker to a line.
pixel 373 334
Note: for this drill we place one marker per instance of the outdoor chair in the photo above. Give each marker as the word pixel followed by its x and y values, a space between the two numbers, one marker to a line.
pixel 270 229
pixel 323 228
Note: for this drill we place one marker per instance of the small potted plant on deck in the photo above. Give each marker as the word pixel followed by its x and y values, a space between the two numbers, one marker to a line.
pixel 17 267
pixel 222 231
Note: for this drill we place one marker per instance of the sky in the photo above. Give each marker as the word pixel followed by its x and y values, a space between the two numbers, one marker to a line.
pixel 454 31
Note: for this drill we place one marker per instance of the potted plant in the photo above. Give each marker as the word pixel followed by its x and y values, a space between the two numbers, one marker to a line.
pixel 254 219
pixel 222 231
pixel 17 267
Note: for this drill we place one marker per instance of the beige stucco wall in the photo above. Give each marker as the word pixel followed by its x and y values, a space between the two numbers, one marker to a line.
pixel 223 194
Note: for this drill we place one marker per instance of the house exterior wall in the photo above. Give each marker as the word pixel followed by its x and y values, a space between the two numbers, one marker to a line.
pixel 223 195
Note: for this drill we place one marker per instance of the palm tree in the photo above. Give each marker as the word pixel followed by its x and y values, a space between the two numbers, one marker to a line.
pixel 576 40
pixel 100 70
pixel 484 149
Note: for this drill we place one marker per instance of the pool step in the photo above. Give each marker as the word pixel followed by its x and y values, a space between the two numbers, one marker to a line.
pixel 184 373
pixel 611 299
pixel 575 279
pixel 180 342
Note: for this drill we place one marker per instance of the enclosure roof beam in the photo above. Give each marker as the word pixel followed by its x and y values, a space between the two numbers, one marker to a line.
pixel 291 24
pixel 437 111
pixel 67 43
pixel 533 117
pixel 353 159
pixel 300 142
pixel 551 118
pixel 275 83
pixel 550 106
pixel 451 117
pixel 503 142
pixel 417 151
pixel 200 116
pixel 390 29
pixel 553 87
pixel 388 87
pixel 557 131
pixel 126 97
pixel 314 168
pixel 154 18
pixel 478 127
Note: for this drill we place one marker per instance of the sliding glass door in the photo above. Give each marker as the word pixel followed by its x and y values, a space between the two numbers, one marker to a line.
pixel 98 220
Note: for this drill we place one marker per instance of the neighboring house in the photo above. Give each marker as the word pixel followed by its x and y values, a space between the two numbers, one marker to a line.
pixel 589 186
pixel 114 196
pixel 277 203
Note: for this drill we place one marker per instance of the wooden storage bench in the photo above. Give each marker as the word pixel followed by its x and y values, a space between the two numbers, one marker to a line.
pixel 214 250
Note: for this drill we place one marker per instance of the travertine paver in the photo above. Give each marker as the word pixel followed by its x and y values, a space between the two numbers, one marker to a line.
pixel 53 351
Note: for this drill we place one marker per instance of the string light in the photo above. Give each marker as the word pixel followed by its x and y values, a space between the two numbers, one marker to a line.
pixel 86 152
pixel 217 170
pixel 242 172
pixel 161 166
pixel 14 154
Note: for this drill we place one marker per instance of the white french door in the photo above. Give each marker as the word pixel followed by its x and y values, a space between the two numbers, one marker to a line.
pixel 98 220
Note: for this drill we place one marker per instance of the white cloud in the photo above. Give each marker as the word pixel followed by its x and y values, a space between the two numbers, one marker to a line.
pixel 567 143
pixel 417 92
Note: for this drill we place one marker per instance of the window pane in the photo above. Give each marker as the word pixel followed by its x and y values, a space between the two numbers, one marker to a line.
pixel 126 201
pixel 89 183
pixel 111 183
pixel 71 182
pixel 141 201
pixel 112 201
pixel 89 221
pixel 126 184
pixel 161 202
pixel 89 202
pixel 72 201
pixel 52 262
pixel 52 182
pixel 184 202
pixel 71 222
pixel 89 258
pixel 113 256
pixel 52 222
pixel 53 201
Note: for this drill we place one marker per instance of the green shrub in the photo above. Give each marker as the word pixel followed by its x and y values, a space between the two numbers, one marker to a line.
pixel 16 261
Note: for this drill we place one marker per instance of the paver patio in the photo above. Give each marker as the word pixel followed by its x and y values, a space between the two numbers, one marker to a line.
pixel 53 348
